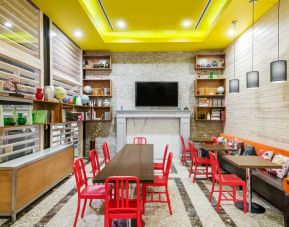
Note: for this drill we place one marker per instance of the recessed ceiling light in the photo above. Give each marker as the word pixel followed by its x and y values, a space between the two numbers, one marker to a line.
pixel 231 32
pixel 187 23
pixel 121 24
pixel 78 33
pixel 52 33
pixel 8 24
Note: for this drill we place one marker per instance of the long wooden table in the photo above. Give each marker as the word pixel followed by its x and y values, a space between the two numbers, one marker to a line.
pixel 218 147
pixel 131 160
pixel 248 163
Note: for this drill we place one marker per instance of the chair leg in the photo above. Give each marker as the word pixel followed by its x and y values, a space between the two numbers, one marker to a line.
pixel 234 194
pixel 245 198
pixel 195 173
pixel 168 200
pixel 77 212
pixel 83 209
pixel 139 220
pixel 207 172
pixel 212 191
pixel 143 198
pixel 191 169
pixel 90 202
pixel 219 199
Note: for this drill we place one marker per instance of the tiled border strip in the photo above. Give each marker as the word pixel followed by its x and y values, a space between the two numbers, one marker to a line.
pixel 228 221
pixel 191 211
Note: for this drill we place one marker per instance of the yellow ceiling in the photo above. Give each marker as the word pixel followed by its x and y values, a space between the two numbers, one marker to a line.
pixel 151 25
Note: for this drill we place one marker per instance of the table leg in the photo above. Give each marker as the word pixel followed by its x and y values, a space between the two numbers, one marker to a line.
pixel 251 207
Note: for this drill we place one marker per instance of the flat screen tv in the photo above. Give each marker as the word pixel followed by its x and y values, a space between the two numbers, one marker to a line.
pixel 156 94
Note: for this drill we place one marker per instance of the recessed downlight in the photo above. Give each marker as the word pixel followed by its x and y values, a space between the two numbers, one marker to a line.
pixel 78 33
pixel 231 33
pixel 8 24
pixel 121 24
pixel 187 23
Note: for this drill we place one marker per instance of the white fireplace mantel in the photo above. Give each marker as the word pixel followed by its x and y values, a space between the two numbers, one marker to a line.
pixel 123 115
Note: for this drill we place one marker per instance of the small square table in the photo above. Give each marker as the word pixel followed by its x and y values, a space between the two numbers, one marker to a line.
pixel 202 139
pixel 248 163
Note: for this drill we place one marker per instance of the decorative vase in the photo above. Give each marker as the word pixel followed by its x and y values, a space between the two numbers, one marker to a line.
pixel 39 94
pixel 220 90
pixel 48 93
pixel 7 121
pixel 107 64
pixel 78 101
pixel 21 120
pixel 29 116
pixel 214 63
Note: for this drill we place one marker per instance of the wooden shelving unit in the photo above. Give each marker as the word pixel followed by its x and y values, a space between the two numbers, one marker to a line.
pixel 210 61
pixel 97 63
pixel 209 101
pixel 101 90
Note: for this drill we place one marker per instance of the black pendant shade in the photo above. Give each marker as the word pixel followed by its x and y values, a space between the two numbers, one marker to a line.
pixel 253 79
pixel 234 86
pixel 278 71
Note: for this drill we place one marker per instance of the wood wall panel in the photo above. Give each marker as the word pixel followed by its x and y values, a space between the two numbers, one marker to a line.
pixel 260 114
pixel 6 191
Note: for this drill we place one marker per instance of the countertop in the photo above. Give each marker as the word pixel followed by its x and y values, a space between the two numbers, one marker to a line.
pixel 27 159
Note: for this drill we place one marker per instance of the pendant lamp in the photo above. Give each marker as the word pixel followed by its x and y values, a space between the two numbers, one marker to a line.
pixel 278 69
pixel 234 83
pixel 253 76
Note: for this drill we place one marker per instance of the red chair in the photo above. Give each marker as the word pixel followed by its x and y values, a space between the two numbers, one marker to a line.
pixel 161 165
pixel 159 181
pixel 106 155
pixel 85 191
pixel 225 180
pixel 197 161
pixel 126 202
pixel 139 140
pixel 185 150
pixel 93 157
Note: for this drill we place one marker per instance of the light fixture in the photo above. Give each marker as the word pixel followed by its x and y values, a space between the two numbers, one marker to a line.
pixel 278 69
pixel 121 24
pixel 253 76
pixel 78 33
pixel 8 24
pixel 231 33
pixel 187 23
pixel 52 33
pixel 234 83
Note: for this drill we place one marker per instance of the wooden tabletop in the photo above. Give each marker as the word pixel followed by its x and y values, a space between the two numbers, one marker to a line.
pixel 202 139
pixel 131 160
pixel 250 162
pixel 218 147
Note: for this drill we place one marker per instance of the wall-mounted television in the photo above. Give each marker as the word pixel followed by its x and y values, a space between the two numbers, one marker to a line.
pixel 159 94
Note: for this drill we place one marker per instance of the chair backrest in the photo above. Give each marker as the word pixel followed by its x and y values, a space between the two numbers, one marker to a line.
pixel 168 165
pixel 194 151
pixel 165 154
pixel 183 143
pixel 106 154
pixel 215 167
pixel 80 174
pixel 93 157
pixel 123 192
pixel 139 140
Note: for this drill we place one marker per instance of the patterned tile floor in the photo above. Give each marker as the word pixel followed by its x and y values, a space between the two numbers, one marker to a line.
pixel 190 205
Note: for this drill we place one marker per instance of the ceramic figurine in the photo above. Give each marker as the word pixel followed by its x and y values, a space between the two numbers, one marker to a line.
pixel 214 63
pixel 39 94
pixel 107 65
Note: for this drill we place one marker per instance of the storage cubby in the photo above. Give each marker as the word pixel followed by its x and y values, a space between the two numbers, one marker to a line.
pixel 210 61
pixel 96 63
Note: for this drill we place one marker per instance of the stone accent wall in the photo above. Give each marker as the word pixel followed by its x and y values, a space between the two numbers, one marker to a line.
pixel 127 68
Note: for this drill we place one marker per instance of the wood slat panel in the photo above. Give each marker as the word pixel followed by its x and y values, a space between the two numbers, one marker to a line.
pixel 262 114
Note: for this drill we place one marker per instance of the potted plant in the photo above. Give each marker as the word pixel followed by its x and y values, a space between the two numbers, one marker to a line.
pixel 12 85
pixel 95 133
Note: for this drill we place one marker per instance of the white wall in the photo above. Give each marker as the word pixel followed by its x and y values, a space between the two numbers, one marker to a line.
pixel 260 115
pixel 159 132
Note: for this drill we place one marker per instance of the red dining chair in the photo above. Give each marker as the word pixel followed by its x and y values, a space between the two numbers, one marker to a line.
pixel 225 180
pixel 161 165
pixel 185 150
pixel 85 191
pixel 106 154
pixel 197 161
pixel 159 181
pixel 139 140
pixel 95 167
pixel 126 202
